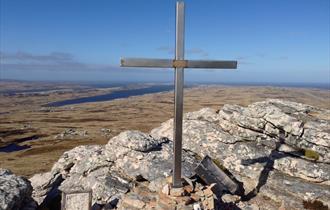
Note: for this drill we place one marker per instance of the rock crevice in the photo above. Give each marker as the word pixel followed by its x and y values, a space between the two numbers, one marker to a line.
pixel 261 145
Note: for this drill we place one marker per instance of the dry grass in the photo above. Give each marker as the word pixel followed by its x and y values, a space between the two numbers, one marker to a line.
pixel 22 117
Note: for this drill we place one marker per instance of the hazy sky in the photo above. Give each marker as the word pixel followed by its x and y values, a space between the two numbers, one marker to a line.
pixel 273 40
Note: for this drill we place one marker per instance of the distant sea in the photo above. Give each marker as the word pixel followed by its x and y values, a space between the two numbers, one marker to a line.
pixel 325 86
pixel 135 89
pixel 161 88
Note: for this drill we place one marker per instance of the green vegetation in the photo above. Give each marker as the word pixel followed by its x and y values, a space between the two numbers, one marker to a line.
pixel 218 163
pixel 311 154
pixel 198 157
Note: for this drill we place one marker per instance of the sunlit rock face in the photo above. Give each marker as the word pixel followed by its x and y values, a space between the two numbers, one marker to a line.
pixel 265 145
pixel 110 170
pixel 277 149
pixel 15 192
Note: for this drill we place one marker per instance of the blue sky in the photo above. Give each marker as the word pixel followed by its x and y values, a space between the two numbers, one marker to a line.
pixel 273 41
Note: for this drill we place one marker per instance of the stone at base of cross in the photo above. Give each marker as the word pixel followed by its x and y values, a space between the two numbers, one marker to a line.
pixel 190 196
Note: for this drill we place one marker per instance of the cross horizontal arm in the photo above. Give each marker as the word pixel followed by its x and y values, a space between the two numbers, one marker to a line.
pixel 168 63
pixel 209 64
pixel 145 62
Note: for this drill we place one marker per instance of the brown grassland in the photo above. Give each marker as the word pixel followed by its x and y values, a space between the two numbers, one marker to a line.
pixel 23 121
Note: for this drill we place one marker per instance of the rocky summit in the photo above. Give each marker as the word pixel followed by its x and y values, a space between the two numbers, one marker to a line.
pixel 15 192
pixel 277 151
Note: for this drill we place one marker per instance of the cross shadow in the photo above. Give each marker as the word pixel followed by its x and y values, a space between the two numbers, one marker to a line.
pixel 268 167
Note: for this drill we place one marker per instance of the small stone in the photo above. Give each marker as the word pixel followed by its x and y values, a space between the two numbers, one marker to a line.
pixel 197 206
pixel 195 197
pixel 182 199
pixel 199 186
pixel 165 202
pixel 182 206
pixel 228 198
pixel 169 179
pixel 208 192
pixel 189 201
pixel 154 184
pixel 134 202
pixel 189 189
pixel 199 193
pixel 177 192
pixel 208 203
pixel 166 189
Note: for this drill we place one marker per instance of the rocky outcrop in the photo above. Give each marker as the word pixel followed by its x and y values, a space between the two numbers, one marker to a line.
pixel 265 145
pixel 277 150
pixel 71 133
pixel 110 170
pixel 15 192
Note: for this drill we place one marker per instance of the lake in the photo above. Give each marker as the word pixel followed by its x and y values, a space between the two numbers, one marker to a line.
pixel 114 95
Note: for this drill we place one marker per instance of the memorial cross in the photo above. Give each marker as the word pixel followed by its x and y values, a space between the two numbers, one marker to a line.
pixel 179 63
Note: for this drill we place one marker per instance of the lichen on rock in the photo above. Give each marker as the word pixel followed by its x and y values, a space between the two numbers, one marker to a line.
pixel 261 145
pixel 15 192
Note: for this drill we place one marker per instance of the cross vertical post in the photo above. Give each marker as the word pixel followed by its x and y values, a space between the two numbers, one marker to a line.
pixel 178 95
pixel 179 64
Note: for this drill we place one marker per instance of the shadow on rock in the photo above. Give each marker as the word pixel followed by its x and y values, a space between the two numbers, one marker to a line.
pixel 269 166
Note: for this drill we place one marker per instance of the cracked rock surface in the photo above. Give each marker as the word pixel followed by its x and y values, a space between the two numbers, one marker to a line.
pixel 110 170
pixel 278 150
pixel 15 192
pixel 265 145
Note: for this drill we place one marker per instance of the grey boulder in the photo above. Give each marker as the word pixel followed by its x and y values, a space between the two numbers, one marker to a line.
pixel 15 192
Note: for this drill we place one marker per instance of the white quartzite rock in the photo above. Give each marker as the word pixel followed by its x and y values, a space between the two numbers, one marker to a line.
pixel 109 170
pixel 261 145
pixel 253 141
pixel 15 192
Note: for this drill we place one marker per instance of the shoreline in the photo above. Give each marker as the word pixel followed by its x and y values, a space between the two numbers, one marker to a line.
pixel 109 84
pixel 52 131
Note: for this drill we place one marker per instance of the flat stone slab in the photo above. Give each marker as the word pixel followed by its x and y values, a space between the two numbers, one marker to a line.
pixel 77 200
pixel 211 173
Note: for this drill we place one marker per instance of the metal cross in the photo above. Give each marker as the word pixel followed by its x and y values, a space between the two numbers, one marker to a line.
pixel 178 64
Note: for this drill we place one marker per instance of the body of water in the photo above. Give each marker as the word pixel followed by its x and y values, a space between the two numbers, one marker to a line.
pixel 114 95
pixel 13 148
pixel 161 88
pixel 322 86
pixel 127 91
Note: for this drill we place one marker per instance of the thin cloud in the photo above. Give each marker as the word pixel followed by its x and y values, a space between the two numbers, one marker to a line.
pixel 283 58
pixel 55 57
pixel 52 61
pixel 55 61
